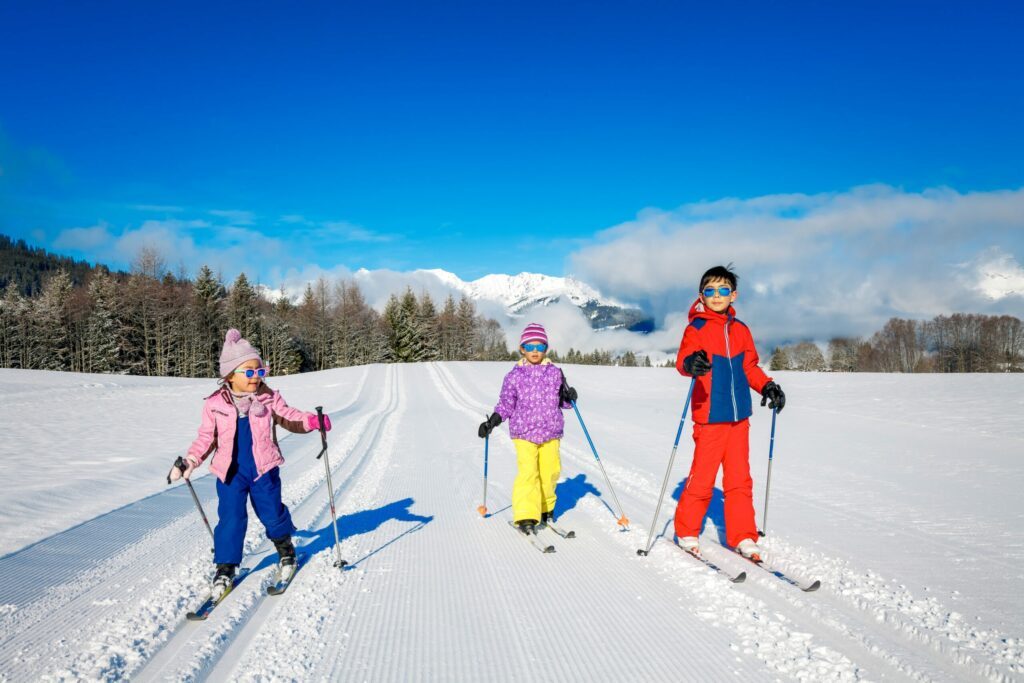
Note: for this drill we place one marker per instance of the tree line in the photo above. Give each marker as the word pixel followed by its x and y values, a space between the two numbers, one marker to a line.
pixel 152 322
pixel 962 342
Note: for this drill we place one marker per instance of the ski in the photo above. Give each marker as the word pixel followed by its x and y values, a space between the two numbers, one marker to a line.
pixel 733 578
pixel 280 584
pixel 533 540
pixel 564 533
pixel 805 586
pixel 210 602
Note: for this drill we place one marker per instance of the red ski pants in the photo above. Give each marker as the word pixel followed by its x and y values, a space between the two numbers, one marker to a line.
pixel 725 444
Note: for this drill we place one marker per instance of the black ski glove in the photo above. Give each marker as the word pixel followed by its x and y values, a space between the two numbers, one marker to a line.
pixel 697 364
pixel 487 426
pixel 772 395
pixel 567 394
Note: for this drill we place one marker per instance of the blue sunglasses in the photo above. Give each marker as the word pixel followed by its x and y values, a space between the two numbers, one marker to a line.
pixel 250 373
pixel 535 347
pixel 722 291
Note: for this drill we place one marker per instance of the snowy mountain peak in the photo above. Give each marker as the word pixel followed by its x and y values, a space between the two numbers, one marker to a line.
pixel 522 291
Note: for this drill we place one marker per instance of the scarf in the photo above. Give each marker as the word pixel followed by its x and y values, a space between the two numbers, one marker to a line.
pixel 244 403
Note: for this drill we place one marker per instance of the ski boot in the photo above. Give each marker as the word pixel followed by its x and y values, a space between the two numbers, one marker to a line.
pixel 749 549
pixel 546 517
pixel 223 580
pixel 527 526
pixel 689 543
pixel 286 555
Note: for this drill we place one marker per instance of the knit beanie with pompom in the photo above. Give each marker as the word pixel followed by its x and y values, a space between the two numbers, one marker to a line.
pixel 235 352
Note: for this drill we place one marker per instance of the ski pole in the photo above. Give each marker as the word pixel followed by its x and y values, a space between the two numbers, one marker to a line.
pixel 180 464
pixel 623 520
pixel 768 483
pixel 483 508
pixel 338 562
pixel 664 485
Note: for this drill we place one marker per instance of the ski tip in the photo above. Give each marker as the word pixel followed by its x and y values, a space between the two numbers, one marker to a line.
pixel 641 552
pixel 571 534
pixel 740 578
pixel 813 587
pixel 192 616
pixel 549 549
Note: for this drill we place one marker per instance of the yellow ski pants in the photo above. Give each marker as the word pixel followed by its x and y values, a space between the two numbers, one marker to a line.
pixel 534 488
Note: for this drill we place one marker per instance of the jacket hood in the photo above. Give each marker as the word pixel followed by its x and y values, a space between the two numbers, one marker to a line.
pixel 698 310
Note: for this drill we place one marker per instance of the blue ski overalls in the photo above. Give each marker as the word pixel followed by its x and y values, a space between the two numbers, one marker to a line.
pixel 242 484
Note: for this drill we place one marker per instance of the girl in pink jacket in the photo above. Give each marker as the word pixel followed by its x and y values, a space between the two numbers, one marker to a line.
pixel 239 430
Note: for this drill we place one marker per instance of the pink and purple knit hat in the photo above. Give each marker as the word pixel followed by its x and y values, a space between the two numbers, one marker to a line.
pixel 534 332
pixel 236 351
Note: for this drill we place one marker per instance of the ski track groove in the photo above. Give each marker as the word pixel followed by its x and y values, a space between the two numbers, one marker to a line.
pixel 920 629
pixel 248 602
pixel 99 639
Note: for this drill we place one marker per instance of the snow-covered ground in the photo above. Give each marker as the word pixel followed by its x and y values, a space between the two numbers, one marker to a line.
pixel 901 493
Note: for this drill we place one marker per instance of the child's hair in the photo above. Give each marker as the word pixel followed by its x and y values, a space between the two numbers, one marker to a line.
pixel 720 273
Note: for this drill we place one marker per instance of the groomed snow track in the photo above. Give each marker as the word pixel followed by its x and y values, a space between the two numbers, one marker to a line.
pixel 435 592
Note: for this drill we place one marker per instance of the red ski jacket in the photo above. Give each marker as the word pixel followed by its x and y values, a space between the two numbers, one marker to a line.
pixel 722 395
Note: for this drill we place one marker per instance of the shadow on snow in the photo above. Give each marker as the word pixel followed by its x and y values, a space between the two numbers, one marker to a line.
pixel 355 524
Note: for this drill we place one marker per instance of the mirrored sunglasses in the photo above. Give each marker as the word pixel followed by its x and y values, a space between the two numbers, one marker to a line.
pixel 722 291
pixel 535 347
pixel 250 372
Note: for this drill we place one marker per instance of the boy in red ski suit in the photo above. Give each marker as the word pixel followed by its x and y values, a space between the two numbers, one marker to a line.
pixel 718 350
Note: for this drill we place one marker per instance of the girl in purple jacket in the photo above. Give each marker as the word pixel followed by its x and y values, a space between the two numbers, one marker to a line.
pixel 238 428
pixel 532 398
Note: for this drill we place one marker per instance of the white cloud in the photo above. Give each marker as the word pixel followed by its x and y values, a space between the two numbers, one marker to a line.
pixel 997 274
pixel 234 216
pixel 226 249
pixel 83 239
pixel 350 232
pixel 812 266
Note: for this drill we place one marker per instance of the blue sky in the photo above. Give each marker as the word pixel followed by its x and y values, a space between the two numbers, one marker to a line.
pixel 479 137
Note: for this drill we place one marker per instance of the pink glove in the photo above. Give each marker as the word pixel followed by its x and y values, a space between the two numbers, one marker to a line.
pixel 314 426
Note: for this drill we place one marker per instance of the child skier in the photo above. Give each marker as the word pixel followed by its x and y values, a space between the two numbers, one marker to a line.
pixel 532 398
pixel 718 350
pixel 238 428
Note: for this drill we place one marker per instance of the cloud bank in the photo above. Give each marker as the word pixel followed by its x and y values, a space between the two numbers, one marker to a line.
pixel 814 266
pixel 811 266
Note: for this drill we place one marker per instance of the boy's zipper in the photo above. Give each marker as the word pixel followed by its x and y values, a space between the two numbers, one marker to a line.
pixel 732 373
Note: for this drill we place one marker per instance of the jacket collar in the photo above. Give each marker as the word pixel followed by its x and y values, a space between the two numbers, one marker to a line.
pixel 225 393
pixel 522 363
pixel 698 310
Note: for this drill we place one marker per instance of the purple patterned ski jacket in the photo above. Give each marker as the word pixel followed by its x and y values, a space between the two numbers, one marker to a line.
pixel 530 402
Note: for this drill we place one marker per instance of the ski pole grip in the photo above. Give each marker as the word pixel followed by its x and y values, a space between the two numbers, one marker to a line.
pixel 180 464
pixel 323 432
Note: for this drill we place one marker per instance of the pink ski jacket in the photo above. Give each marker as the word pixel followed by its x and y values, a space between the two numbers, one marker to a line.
pixel 217 431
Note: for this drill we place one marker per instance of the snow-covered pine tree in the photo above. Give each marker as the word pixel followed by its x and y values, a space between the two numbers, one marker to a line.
pixel 779 359
pixel 467 329
pixel 208 327
pixel 52 320
pixel 101 341
pixel 448 333
pixel 280 348
pixel 428 328
pixel 13 323
pixel 242 309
